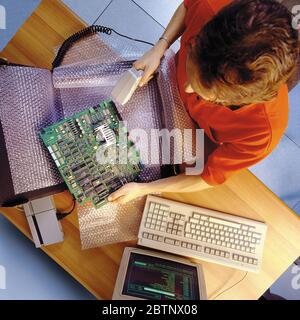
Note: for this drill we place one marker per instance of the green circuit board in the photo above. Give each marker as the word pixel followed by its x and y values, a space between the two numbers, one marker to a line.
pixel 75 144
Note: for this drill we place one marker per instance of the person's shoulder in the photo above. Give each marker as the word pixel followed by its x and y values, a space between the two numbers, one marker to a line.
pixel 217 5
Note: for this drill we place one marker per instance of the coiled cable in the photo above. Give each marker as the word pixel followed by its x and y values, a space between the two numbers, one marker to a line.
pixel 84 33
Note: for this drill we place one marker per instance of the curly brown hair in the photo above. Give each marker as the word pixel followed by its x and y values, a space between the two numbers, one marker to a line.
pixel 246 52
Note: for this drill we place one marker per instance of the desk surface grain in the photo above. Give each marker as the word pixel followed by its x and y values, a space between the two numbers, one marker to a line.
pixel 96 269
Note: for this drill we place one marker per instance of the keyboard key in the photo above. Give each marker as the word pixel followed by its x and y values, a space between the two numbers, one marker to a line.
pixel 187 227
pixel 225 223
pixel 183 244
pixel 151 207
pixel 164 207
pixel 145 235
pixel 196 215
pixel 169 241
pixel 195 221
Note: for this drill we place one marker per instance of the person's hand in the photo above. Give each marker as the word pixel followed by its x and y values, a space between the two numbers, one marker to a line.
pixel 129 192
pixel 150 61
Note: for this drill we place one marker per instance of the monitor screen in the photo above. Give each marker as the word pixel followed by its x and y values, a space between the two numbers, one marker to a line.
pixel 156 278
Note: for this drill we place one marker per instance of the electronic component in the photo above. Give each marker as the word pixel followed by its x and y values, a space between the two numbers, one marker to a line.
pixel 126 86
pixel 145 274
pixel 85 148
pixel 202 233
pixel 42 219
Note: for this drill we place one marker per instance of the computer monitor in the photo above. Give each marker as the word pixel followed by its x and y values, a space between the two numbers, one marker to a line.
pixel 149 275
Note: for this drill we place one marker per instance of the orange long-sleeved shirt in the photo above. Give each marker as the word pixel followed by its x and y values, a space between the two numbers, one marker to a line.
pixel 244 136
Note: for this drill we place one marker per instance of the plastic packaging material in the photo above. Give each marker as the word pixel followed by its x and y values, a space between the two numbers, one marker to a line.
pixel 174 112
pixel 92 75
pixel 111 224
pixel 87 75
pixel 27 105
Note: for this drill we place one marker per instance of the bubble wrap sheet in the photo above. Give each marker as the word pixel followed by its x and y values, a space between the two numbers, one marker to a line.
pixel 27 105
pixel 87 75
pixel 155 106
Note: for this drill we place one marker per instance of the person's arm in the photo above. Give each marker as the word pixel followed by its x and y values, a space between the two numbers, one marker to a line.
pixel 150 61
pixel 180 183
pixel 226 160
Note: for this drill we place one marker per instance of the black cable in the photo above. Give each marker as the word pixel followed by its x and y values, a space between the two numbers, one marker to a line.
pixel 133 39
pixel 86 32
pixel 61 215
pixel 231 286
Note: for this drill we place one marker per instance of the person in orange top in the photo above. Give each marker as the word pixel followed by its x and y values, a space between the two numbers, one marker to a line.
pixel 232 67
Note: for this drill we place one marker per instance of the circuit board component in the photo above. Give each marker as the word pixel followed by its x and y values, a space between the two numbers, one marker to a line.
pixel 75 143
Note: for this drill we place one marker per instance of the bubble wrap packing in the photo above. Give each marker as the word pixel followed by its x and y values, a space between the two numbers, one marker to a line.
pixel 87 75
pixel 27 105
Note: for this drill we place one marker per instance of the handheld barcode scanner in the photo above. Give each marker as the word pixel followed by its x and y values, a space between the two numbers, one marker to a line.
pixel 126 86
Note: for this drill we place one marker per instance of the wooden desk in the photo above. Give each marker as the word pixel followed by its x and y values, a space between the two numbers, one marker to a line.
pixel 245 195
